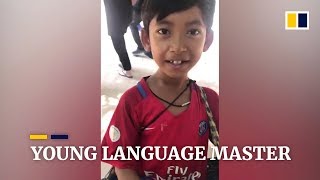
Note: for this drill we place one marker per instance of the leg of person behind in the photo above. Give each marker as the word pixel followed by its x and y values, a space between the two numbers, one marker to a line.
pixel 135 32
pixel 120 47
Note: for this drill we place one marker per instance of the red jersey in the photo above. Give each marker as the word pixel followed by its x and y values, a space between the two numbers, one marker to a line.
pixel 189 128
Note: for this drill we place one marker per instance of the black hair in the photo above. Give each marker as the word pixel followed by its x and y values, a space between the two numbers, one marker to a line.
pixel 163 8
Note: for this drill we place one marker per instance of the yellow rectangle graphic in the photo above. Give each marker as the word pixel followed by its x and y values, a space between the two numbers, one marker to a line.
pixel 38 137
pixel 292 20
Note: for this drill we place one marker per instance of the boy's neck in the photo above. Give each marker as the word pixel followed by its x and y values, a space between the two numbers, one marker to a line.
pixel 164 80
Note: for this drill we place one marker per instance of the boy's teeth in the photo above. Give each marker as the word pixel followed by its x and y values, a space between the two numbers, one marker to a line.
pixel 176 62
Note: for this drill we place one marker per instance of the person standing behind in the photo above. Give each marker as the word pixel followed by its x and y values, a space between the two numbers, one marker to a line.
pixel 136 19
pixel 119 16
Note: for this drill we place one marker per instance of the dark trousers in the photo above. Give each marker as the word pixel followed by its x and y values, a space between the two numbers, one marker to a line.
pixel 134 28
pixel 120 46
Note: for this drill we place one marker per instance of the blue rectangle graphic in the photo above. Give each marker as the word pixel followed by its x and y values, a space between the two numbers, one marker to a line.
pixel 303 20
pixel 59 136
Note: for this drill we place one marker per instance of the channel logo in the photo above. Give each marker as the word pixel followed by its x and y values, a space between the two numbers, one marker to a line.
pixel 297 20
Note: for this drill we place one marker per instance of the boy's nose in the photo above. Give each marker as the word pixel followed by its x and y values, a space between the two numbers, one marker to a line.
pixel 177 45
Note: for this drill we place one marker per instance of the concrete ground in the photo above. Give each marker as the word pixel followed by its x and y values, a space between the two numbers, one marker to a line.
pixel 206 72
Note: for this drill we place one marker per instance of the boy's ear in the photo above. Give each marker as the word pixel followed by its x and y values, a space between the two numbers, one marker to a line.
pixel 208 41
pixel 145 40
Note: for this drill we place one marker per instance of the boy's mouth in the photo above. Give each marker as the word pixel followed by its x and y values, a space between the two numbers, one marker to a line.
pixel 176 62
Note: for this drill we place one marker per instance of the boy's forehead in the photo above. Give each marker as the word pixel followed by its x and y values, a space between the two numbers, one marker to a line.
pixel 191 16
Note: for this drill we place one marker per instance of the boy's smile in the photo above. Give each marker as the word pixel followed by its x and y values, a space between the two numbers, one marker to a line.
pixel 177 41
pixel 177 63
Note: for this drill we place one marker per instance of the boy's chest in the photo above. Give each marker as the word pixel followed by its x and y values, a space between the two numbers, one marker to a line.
pixel 176 111
pixel 189 127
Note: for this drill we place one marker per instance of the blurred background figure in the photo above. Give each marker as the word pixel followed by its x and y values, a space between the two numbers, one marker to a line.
pixel 135 27
pixel 119 16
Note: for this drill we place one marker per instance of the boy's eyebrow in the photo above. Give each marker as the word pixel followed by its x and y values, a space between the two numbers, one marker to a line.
pixel 194 22
pixel 190 23
pixel 164 22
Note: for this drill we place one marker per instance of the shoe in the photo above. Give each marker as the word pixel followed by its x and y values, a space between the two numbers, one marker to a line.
pixel 138 52
pixel 125 73
pixel 149 54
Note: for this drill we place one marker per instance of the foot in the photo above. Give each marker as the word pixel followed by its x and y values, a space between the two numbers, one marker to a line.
pixel 148 54
pixel 125 73
pixel 138 52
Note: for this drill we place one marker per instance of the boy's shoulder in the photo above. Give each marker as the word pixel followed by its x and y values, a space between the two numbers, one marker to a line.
pixel 210 92
pixel 212 96
pixel 135 94
pixel 213 100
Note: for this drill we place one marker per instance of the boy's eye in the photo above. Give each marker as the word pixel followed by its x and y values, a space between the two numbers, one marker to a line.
pixel 193 32
pixel 163 31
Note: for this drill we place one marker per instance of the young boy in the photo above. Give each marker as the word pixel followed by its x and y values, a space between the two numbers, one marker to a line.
pixel 170 111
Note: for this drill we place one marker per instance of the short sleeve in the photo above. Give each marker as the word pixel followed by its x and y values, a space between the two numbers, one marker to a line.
pixel 122 131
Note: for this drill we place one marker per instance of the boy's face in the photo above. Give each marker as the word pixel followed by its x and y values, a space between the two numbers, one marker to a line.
pixel 177 41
